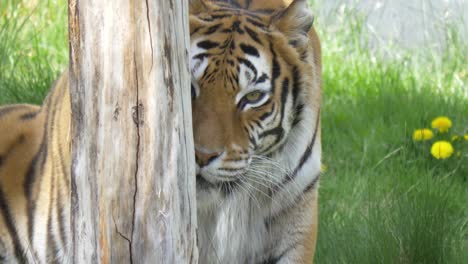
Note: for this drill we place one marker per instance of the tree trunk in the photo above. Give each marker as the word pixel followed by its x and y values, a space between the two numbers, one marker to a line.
pixel 133 184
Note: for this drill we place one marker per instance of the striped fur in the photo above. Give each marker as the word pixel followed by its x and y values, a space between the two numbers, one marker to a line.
pixel 256 102
pixel 34 181
pixel 256 94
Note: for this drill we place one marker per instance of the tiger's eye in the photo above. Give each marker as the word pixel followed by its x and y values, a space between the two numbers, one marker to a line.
pixel 253 96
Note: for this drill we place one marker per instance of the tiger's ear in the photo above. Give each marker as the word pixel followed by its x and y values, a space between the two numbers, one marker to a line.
pixel 197 6
pixel 295 21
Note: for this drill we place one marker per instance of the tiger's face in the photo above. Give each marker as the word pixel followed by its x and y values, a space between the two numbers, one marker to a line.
pixel 246 94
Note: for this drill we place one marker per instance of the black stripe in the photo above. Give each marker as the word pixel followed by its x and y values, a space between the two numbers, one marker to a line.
pixel 278 131
pixel 223 12
pixel 307 188
pixel 29 183
pixel 65 169
pixel 232 46
pixel 253 15
pixel 262 78
pixel 37 165
pixel 296 84
pixel 226 30
pixel 7 109
pixel 256 23
pixel 275 68
pixel 253 141
pixel 60 217
pixel 51 243
pixel 213 29
pixel 206 19
pixel 225 45
pixel 311 185
pixel 305 156
pixel 59 200
pixel 273 260
pixel 195 30
pixel 8 219
pixel 234 159
pixel 228 169
pixel 295 91
pixel 236 27
pixel 266 10
pixel 207 44
pixel 275 73
pixel 284 97
pixel 201 56
pixel 258 123
pixel 220 16
pixel 293 43
pixel 29 116
pixel 2 159
pixel 267 114
pixel 249 65
pixel 249 50
pixel 297 114
pixel 253 34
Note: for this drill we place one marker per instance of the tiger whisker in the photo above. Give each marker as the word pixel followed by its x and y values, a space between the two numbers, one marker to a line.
pixel 265 177
pixel 249 194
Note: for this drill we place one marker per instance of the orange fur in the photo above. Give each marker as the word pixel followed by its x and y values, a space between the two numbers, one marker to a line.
pixel 217 121
pixel 35 141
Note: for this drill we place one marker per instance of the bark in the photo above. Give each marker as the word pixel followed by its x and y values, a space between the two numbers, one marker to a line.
pixel 133 184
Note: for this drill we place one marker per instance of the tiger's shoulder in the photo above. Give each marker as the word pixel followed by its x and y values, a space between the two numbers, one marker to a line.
pixel 20 127
pixel 32 141
pixel 25 124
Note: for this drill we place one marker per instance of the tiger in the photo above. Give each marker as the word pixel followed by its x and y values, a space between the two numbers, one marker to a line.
pixel 35 179
pixel 256 95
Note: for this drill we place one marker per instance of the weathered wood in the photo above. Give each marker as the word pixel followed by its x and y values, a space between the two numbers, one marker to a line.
pixel 133 190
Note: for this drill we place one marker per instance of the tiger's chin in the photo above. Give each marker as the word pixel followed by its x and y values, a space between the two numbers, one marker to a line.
pixel 210 195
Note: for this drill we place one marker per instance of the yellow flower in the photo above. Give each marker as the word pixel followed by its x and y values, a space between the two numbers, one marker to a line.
pixel 465 136
pixel 324 168
pixel 442 150
pixel 455 138
pixel 442 123
pixel 422 134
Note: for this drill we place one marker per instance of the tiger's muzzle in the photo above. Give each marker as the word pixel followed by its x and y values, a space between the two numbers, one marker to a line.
pixel 216 169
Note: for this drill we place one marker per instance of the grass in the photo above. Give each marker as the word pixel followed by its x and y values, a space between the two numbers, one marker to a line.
pixel 383 198
pixel 33 48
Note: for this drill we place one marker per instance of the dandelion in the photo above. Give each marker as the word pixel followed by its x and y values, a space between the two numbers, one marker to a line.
pixel 465 137
pixel 442 123
pixel 442 150
pixel 324 168
pixel 422 134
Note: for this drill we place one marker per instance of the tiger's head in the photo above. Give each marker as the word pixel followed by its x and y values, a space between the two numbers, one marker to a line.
pixel 251 73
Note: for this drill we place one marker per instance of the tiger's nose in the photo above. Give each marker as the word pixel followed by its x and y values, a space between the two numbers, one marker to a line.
pixel 205 158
